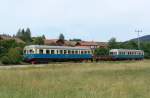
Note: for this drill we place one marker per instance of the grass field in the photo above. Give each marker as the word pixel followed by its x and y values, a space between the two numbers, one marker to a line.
pixel 127 79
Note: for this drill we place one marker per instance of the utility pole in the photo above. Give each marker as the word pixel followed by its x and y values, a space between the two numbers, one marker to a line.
pixel 138 32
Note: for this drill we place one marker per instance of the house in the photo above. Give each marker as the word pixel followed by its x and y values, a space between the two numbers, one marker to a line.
pixel 56 42
pixel 89 44
pixel 51 42
pixel 102 44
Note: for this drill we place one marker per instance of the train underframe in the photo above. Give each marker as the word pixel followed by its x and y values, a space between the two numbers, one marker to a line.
pixel 47 60
pixel 95 58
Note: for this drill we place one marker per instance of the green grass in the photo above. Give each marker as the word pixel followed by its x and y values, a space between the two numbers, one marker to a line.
pixel 127 79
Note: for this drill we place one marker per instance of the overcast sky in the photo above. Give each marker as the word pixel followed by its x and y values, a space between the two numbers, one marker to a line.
pixel 97 20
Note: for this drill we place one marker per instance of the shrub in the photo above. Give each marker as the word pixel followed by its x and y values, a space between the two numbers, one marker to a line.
pixel 101 52
pixel 5 60
pixel 12 57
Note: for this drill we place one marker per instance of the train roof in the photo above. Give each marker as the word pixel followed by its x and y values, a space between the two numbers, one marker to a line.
pixel 125 50
pixel 56 47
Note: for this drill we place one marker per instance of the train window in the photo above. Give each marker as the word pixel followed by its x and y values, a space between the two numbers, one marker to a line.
pixel 123 53
pixel 119 52
pixel 111 53
pixel 61 51
pixel 81 52
pixel 65 51
pixel 24 51
pixel 57 51
pixel 85 52
pixel 47 52
pixel 69 52
pixel 30 51
pixel 52 52
pixel 89 52
pixel 41 51
pixel 72 51
pixel 76 52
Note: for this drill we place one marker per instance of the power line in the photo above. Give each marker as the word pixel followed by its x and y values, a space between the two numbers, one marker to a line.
pixel 138 34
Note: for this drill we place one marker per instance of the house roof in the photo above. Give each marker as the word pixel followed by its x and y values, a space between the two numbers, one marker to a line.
pixel 102 43
pixel 50 41
pixel 87 43
pixel 54 42
pixel 75 43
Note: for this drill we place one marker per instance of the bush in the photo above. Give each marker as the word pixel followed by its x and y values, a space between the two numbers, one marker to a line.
pixel 5 60
pixel 101 52
pixel 12 57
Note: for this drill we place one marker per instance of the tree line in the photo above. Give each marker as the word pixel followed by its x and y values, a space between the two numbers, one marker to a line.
pixel 11 50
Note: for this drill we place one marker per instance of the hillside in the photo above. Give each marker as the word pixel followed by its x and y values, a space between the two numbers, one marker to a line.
pixel 143 38
pixel 7 37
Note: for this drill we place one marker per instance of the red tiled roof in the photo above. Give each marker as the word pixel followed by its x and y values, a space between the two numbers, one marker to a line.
pixel 50 41
pixel 88 43
pixel 54 42
pixel 74 43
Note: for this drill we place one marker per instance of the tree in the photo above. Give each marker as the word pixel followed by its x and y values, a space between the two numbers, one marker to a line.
pixel 5 45
pixel 101 52
pixel 38 41
pixel 145 47
pixel 61 37
pixel 112 44
pixel 28 35
pixel 61 40
pixel 43 36
pixel 24 35
pixel 129 45
pixel 12 57
pixel 19 33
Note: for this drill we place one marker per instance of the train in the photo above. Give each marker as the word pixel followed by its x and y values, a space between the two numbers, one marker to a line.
pixel 44 54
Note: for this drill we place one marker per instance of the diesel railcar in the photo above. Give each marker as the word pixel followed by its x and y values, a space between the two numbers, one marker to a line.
pixel 43 53
pixel 126 54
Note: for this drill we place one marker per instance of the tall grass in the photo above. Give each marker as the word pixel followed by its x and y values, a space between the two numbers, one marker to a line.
pixel 128 79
